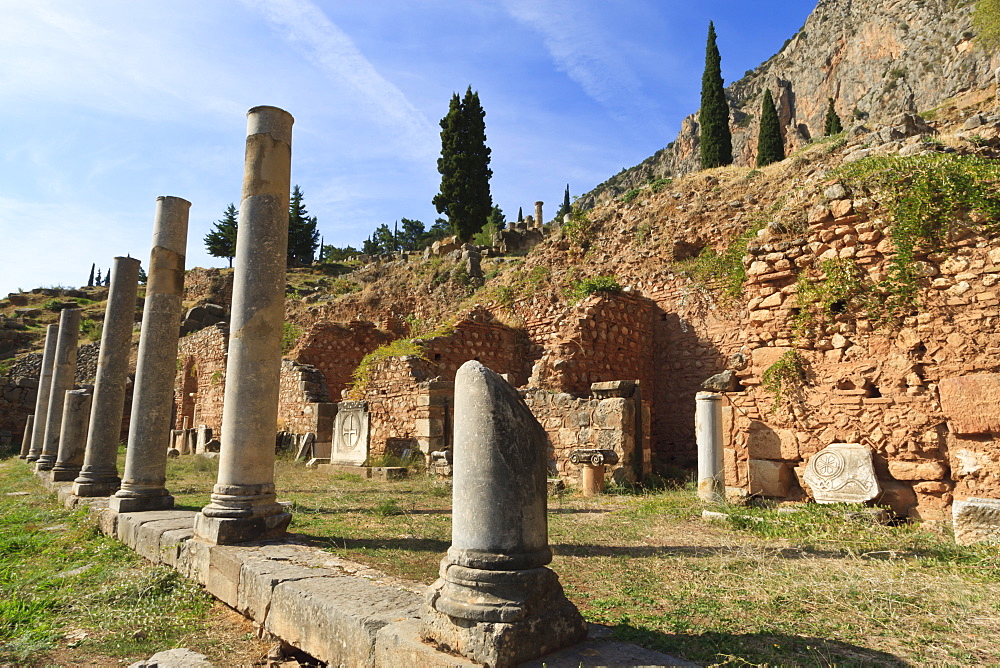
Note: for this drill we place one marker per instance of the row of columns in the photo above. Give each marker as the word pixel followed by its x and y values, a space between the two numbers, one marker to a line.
pixel 496 601
pixel 73 434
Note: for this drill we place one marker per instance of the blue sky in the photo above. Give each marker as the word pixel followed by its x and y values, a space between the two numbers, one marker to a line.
pixel 109 103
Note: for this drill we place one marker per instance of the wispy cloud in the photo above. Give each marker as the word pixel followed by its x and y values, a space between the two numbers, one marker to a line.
pixel 331 49
pixel 579 47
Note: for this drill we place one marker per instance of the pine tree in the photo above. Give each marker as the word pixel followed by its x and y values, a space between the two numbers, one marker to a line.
pixel 412 235
pixel 303 237
pixel 566 207
pixel 98 279
pixel 221 241
pixel 770 147
pixel 716 141
pixel 142 276
pixel 832 124
pixel 90 281
pixel 464 167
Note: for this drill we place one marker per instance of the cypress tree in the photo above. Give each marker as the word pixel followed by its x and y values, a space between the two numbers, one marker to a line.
pixel 464 167
pixel 303 237
pixel 716 142
pixel 520 215
pixel 832 124
pixel 770 147
pixel 107 277
pixel 90 281
pixel 221 241
pixel 566 207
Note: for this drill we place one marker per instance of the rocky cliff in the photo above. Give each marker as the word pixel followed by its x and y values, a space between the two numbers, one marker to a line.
pixel 875 58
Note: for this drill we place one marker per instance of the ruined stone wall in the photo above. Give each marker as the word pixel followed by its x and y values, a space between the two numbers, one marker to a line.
pixel 482 338
pixel 605 423
pixel 336 349
pixel 303 401
pixel 392 395
pixel 922 396
pixel 201 371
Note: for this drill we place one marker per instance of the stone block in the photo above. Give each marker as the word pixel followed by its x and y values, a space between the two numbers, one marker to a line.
pixel 400 644
pixel 129 523
pixel 899 496
pixel 765 357
pixel 429 427
pixel 336 619
pixel 769 478
pixel 613 389
pixel 223 577
pixel 259 577
pixel 971 403
pixel 149 535
pixel 976 520
pixel 615 414
pixel 172 545
pixel 842 473
pixel 922 470
pixel 764 442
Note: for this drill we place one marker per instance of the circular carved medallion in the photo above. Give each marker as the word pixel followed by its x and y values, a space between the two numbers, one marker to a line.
pixel 828 464
pixel 350 431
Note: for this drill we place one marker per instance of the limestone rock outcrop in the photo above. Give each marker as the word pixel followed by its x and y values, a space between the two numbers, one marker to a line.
pixel 876 59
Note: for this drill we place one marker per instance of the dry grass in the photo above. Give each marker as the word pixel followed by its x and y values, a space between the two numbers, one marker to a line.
pixel 812 588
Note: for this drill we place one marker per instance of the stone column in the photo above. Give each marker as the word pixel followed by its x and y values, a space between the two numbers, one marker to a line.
pixel 142 488
pixel 73 435
pixel 44 393
pixel 244 505
pixel 99 475
pixel 495 601
pixel 708 434
pixel 63 373
pixel 539 221
pixel 26 441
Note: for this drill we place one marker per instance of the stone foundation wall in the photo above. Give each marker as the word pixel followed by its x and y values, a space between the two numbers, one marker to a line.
pixel 336 349
pixel 201 371
pixel 923 396
pixel 609 423
pixel 304 403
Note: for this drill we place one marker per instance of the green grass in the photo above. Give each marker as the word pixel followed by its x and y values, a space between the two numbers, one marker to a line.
pixel 821 586
pixel 64 587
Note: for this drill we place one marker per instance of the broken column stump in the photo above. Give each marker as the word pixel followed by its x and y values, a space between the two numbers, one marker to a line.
pixel 143 486
pixel 495 601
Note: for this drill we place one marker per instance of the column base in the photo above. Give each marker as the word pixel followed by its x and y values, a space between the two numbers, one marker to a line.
pixel 91 488
pixel 138 504
pixel 64 475
pixel 44 464
pixel 31 459
pixel 500 618
pixel 234 530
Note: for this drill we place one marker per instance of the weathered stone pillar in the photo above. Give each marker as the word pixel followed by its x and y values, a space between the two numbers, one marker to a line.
pixel 44 393
pixel 495 601
pixel 73 435
pixel 99 475
pixel 142 488
pixel 708 434
pixel 539 221
pixel 26 440
pixel 244 505
pixel 63 373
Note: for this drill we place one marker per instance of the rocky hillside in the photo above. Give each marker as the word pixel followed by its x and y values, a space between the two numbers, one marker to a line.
pixel 875 58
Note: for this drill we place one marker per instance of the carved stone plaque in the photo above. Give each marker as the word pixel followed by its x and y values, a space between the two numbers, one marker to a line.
pixel 842 473
pixel 350 433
